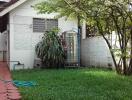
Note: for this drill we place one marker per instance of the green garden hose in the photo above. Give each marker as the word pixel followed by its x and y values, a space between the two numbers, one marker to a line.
pixel 18 83
pixel 24 83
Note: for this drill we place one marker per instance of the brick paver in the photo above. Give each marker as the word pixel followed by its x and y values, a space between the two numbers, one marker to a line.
pixel 7 89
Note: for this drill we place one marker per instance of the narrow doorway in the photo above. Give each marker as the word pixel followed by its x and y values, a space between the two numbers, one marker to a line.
pixel 3 46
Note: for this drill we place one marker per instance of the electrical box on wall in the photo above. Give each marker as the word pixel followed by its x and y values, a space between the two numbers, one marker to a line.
pixel 37 63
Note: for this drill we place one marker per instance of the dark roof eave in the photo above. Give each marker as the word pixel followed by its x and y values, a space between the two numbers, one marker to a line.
pixel 5 5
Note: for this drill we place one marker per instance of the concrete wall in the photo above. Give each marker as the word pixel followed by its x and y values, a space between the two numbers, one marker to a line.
pixel 22 37
pixel 95 53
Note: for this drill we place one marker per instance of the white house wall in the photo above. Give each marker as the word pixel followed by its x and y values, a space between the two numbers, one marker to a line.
pixel 95 52
pixel 22 37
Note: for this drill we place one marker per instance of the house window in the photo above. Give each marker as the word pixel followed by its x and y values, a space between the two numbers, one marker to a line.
pixel 51 23
pixel 39 25
pixel 91 31
pixel 42 25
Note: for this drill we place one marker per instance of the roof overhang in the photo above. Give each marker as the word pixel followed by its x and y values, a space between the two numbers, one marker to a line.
pixel 4 0
pixel 11 7
pixel 3 23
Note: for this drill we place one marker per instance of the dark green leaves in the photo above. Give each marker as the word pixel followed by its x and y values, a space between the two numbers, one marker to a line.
pixel 50 50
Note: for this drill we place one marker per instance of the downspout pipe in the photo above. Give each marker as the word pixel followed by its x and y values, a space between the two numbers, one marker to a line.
pixel 79 41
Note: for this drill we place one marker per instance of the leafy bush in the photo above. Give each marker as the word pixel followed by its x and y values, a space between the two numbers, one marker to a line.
pixel 50 50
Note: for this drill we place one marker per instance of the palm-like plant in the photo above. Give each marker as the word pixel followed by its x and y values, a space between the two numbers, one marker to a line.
pixel 50 50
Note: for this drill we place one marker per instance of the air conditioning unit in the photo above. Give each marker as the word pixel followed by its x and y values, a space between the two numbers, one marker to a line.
pixel 37 63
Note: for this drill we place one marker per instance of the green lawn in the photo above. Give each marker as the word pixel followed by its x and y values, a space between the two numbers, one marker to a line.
pixel 75 84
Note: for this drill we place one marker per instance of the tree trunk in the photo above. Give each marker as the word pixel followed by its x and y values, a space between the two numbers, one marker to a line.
pixel 112 54
pixel 124 54
pixel 130 63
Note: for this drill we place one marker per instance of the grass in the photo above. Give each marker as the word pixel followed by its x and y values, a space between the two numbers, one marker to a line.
pixel 75 84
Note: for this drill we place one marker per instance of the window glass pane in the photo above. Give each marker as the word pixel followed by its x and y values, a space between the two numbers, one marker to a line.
pixel 39 25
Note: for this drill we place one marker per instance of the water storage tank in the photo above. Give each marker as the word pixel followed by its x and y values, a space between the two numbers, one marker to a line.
pixel 70 38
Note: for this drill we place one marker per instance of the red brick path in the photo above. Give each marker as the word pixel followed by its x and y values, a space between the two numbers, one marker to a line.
pixel 7 90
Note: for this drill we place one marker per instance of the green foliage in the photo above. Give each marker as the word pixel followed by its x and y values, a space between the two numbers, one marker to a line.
pixel 109 16
pixel 62 7
pixel 119 54
pixel 50 50
pixel 92 11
